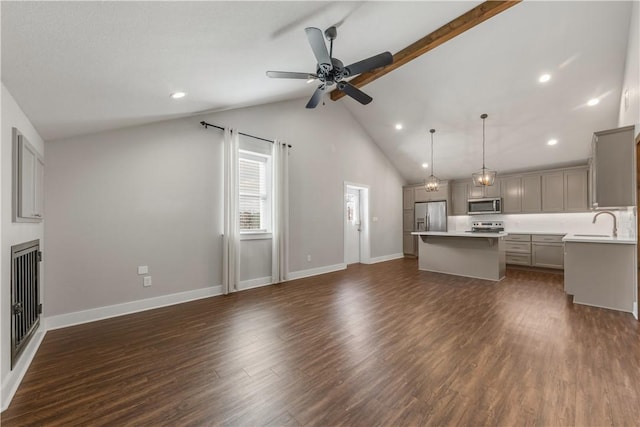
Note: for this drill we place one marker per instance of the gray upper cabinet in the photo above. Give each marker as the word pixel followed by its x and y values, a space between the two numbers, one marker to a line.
pixel 474 192
pixel 576 190
pixel 459 198
pixel 407 198
pixel 420 194
pixel 441 194
pixel 613 168
pixel 531 194
pixel 28 181
pixel 492 190
pixel 512 195
pixel 553 192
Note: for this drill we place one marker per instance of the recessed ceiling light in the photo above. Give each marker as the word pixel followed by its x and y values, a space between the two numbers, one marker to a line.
pixel 425 165
pixel 178 95
pixel 593 101
pixel 552 142
pixel 399 126
pixel 544 78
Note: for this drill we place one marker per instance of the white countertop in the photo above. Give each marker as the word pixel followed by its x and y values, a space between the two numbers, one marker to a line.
pixel 586 238
pixel 458 234
pixel 536 233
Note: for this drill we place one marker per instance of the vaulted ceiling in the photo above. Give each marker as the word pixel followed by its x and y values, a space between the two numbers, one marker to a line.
pixel 84 67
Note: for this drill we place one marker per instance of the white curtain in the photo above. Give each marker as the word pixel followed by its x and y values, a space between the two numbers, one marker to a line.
pixel 280 205
pixel 231 237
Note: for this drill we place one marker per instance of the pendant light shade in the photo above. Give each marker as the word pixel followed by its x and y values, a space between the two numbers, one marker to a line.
pixel 484 177
pixel 432 183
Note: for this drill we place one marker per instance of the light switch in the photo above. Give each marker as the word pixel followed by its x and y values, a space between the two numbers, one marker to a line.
pixel 143 269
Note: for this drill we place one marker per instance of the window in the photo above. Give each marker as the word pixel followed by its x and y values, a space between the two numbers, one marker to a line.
pixel 254 192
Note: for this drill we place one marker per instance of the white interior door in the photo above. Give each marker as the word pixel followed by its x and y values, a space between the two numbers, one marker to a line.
pixel 353 225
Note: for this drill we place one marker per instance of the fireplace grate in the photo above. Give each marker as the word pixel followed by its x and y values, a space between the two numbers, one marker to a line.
pixel 25 295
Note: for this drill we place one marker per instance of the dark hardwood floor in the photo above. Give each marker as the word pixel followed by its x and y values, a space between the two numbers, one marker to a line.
pixel 382 344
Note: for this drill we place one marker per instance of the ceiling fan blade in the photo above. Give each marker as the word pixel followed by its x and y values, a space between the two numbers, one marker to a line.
pixel 376 61
pixel 355 93
pixel 316 40
pixel 317 96
pixel 290 75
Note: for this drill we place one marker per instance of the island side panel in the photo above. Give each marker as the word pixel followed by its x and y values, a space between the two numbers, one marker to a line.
pixel 482 258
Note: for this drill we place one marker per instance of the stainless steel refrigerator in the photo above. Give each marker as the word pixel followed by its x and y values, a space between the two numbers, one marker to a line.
pixel 430 216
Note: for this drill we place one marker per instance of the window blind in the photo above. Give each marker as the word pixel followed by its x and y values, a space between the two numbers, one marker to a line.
pixel 252 188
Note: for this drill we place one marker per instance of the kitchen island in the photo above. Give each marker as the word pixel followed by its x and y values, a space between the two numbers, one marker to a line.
pixel 462 253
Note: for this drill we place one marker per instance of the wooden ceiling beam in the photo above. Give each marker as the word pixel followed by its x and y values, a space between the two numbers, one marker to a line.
pixel 462 23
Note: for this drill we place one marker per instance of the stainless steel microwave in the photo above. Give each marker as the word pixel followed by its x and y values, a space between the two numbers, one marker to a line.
pixel 484 206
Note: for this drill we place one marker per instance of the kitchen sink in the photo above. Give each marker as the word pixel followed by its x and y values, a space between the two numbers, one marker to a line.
pixel 592 235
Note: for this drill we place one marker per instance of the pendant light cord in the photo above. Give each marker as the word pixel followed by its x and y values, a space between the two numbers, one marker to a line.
pixel 432 168
pixel 483 119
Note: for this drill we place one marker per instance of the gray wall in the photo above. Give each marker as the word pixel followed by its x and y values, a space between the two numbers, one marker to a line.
pixel 630 115
pixel 152 195
pixel 149 195
pixel 329 147
pixel 12 233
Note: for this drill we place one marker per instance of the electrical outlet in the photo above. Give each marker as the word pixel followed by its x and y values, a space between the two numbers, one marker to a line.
pixel 143 269
pixel 375 219
pixel 146 281
pixel 308 258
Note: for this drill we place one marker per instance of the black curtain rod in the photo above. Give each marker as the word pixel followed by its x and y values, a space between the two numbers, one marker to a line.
pixel 206 125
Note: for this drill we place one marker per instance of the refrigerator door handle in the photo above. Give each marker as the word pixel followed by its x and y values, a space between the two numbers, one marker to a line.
pixel 426 224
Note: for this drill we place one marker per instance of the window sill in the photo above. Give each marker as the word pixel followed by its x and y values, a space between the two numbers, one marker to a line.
pixel 260 235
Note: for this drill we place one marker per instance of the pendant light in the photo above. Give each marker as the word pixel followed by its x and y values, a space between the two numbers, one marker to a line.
pixel 432 183
pixel 484 177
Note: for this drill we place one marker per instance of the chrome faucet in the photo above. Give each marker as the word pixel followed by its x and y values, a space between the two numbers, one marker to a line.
pixel 615 225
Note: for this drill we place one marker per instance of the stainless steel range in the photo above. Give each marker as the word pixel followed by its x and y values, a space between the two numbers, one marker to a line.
pixel 487 226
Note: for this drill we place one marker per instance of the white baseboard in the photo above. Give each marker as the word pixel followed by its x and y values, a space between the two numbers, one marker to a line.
pixel 14 377
pixel 383 258
pixel 315 271
pixel 635 310
pixel 254 283
pixel 91 315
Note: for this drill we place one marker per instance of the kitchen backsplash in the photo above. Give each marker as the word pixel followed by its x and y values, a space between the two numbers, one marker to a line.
pixel 554 223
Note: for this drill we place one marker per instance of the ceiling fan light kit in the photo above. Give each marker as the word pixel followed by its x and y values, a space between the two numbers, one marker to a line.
pixel 432 183
pixel 330 70
pixel 484 177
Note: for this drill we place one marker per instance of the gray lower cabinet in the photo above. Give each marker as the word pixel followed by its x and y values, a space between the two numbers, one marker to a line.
pixel 538 250
pixel 408 244
pixel 518 249
pixel 547 250
pixel 601 274
pixel 408 241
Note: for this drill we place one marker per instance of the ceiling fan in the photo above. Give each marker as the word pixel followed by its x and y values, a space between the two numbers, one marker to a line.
pixel 331 70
